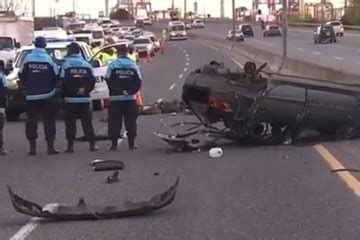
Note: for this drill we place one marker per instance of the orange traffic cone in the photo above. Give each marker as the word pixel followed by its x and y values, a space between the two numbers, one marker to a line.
pixel 140 101
pixel 148 57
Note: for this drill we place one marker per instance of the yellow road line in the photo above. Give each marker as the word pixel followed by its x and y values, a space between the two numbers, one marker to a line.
pixel 347 177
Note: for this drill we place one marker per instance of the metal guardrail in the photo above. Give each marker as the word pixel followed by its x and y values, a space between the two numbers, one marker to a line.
pixel 347 27
pixel 292 24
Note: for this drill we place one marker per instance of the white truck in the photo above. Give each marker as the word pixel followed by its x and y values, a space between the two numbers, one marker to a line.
pixel 14 33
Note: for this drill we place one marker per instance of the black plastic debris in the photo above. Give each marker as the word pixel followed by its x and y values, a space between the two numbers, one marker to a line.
pixel 107 165
pixel 345 170
pixel 83 212
pixel 113 178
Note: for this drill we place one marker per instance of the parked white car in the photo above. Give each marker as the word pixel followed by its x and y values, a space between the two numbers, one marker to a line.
pixel 338 27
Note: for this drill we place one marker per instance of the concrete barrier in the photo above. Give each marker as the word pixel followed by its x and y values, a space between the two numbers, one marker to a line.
pixel 286 66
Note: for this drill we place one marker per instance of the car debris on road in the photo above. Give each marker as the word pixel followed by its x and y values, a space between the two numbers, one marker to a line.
pixel 83 212
pixel 107 165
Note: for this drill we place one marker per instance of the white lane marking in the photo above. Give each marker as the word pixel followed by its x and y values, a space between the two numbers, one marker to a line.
pixel 187 55
pixel 172 86
pixel 175 45
pixel 188 59
pixel 316 53
pixel 28 228
pixel 181 75
pixel 237 63
pixel 185 69
pixel 187 63
pixel 300 49
pixel 338 58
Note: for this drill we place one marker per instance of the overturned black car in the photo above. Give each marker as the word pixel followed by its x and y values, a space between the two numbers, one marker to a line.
pixel 253 106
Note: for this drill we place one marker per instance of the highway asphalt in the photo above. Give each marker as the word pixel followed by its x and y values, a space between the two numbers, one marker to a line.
pixel 277 192
pixel 343 55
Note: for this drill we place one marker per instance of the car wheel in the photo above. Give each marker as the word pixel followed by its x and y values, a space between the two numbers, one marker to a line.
pixel 335 40
pixel 315 41
pixel 342 34
pixel 12 116
pixel 97 105
pixel 264 35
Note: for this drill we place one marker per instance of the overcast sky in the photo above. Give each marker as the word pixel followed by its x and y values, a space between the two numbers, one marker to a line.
pixel 94 6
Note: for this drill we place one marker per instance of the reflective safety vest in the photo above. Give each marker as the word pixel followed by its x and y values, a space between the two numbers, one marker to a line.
pixel 107 58
pixel 132 56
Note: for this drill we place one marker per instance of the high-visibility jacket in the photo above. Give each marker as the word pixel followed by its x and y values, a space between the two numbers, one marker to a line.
pixel 107 58
pixel 133 56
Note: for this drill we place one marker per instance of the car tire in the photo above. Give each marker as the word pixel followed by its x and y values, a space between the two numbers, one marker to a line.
pixel 264 35
pixel 315 41
pixel 97 105
pixel 12 116
pixel 335 40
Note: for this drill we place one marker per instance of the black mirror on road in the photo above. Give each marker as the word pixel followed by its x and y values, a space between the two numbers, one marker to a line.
pixel 95 63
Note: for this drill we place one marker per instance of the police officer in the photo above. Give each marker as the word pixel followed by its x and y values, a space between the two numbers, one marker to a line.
pixel 124 81
pixel 78 81
pixel 3 87
pixel 39 75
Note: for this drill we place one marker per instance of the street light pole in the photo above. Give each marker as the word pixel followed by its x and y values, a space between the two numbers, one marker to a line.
pixel 185 2
pixel 285 27
pixel 172 5
pixel 234 20
pixel 33 8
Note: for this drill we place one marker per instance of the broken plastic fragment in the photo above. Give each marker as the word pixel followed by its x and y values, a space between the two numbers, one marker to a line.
pixel 114 178
pixel 84 212
pixel 215 152
pixel 107 165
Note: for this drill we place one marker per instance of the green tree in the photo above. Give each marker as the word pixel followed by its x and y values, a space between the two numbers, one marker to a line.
pixel 352 14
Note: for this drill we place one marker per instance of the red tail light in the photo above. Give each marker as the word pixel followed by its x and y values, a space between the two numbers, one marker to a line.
pixel 219 104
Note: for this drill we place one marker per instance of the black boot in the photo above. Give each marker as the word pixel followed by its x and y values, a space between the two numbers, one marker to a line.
pixel 70 146
pixel 32 151
pixel 93 147
pixel 114 144
pixel 51 149
pixel 132 145
pixel 3 151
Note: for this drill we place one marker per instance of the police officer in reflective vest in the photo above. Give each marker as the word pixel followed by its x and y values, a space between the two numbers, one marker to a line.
pixel 39 75
pixel 78 81
pixel 124 81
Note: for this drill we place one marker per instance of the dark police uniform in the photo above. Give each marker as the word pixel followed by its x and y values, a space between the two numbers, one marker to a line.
pixel 3 88
pixel 124 81
pixel 78 81
pixel 39 75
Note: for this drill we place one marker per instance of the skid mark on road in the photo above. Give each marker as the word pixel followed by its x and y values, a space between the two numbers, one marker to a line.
pixel 334 164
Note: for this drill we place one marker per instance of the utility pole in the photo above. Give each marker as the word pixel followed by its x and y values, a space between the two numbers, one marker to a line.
pixel 106 8
pixel 173 5
pixel 74 6
pixel 234 20
pixel 285 27
pixel 185 9
pixel 33 8
pixel 222 9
